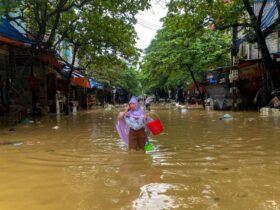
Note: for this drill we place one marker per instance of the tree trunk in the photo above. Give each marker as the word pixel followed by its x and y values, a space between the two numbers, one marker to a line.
pixel 270 79
pixel 68 83
pixel 197 87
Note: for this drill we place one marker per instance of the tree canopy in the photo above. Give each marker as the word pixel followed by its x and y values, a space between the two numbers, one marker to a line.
pixel 183 41
pixel 101 31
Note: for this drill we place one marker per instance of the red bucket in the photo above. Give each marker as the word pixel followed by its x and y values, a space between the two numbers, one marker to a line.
pixel 155 126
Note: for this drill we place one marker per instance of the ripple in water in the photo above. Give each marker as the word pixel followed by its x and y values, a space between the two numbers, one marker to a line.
pixel 153 196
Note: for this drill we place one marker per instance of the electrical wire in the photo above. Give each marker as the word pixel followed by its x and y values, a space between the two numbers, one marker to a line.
pixel 148 27
pixel 148 23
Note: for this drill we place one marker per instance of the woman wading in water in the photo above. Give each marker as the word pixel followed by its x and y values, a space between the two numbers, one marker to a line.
pixel 131 126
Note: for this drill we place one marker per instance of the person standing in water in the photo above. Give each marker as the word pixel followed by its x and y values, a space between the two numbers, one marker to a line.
pixel 135 118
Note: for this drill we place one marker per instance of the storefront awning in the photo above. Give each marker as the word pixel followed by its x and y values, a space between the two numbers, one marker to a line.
pixel 80 81
pixel 95 84
pixel 49 59
pixel 192 87
pixel 10 32
pixel 276 55
pixel 245 63
pixel 10 41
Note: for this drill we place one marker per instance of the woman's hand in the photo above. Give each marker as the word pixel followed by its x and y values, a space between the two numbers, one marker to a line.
pixel 122 114
pixel 127 109
pixel 146 117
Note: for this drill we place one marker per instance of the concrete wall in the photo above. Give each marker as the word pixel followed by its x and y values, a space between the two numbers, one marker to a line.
pixel 251 51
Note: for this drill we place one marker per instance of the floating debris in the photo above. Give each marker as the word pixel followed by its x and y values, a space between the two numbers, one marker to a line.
pixel 17 144
pixel 26 121
pixel 13 143
pixel 184 110
pixel 227 117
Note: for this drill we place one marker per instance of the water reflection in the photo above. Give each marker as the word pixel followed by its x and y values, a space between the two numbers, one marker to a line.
pixel 153 196
pixel 200 162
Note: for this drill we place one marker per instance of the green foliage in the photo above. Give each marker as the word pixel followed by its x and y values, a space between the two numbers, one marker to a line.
pixel 129 80
pixel 8 6
pixel 183 41
pixel 101 30
pixel 223 12
pixel 115 73
pixel 246 15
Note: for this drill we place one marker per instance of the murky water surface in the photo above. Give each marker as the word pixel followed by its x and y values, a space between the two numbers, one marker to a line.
pixel 200 162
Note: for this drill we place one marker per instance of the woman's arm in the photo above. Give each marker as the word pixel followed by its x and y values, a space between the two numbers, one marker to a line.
pixel 122 114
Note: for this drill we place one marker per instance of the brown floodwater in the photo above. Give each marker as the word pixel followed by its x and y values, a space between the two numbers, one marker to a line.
pixel 199 162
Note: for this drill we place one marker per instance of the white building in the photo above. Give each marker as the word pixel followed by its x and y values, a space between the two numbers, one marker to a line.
pixel 250 51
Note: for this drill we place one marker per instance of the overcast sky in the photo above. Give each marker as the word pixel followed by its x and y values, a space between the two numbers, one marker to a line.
pixel 148 22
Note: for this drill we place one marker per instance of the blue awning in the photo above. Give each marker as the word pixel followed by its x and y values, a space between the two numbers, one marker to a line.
pixel 95 84
pixel 270 12
pixel 8 31
pixel 92 82
pixel 276 54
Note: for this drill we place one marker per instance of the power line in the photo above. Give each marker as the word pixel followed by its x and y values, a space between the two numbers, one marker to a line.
pixel 148 23
pixel 146 26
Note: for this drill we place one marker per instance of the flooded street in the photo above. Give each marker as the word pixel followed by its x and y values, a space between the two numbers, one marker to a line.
pixel 200 162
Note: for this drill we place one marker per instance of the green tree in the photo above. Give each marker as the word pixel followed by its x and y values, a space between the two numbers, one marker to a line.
pixel 183 42
pixel 46 17
pixel 100 31
pixel 239 13
pixel 114 72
